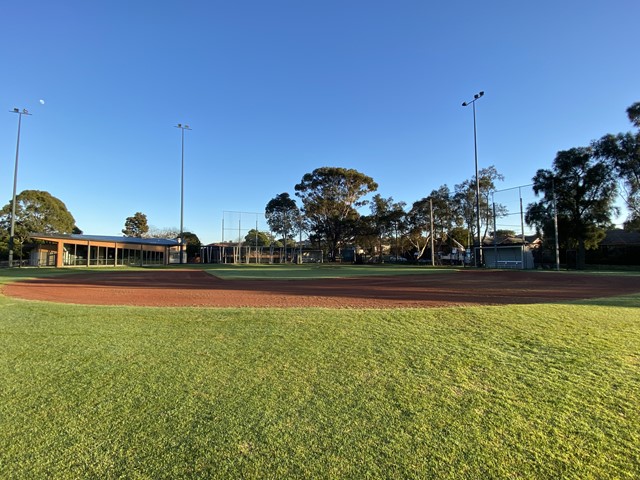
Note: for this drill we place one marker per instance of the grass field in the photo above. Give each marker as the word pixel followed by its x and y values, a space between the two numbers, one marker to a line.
pixel 311 271
pixel 538 391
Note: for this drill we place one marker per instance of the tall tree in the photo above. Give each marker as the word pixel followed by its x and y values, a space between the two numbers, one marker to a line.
pixel 255 237
pixel 164 232
pixel 385 216
pixel 465 200
pixel 585 191
pixel 136 226
pixel 330 198
pixel 192 243
pixel 283 216
pixel 445 216
pixel 622 151
pixel 633 112
pixel 36 212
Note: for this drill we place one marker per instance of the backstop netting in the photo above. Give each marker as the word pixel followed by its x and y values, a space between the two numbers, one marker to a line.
pixel 510 209
pixel 238 245
pixel 510 243
pixel 236 225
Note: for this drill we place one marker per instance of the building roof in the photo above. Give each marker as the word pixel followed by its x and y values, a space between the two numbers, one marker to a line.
pixel 619 237
pixel 514 240
pixel 106 238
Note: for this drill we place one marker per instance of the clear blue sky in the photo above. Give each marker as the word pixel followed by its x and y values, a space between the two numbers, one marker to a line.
pixel 275 89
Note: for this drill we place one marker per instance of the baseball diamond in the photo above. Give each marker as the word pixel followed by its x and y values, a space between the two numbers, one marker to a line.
pixel 196 288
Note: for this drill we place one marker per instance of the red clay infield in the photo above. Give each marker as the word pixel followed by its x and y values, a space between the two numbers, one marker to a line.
pixel 194 288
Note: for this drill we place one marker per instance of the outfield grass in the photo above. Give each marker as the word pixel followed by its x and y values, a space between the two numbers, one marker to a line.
pixel 539 391
pixel 311 271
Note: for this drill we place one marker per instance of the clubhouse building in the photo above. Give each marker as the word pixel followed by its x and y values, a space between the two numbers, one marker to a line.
pixel 53 250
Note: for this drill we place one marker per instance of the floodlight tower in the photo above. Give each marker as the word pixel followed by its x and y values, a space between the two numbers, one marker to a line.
pixel 480 259
pixel 182 128
pixel 24 111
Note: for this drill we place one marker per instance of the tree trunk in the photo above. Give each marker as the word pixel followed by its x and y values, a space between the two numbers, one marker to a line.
pixel 581 260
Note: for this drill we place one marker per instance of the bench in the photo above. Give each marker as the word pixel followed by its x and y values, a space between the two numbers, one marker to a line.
pixel 509 264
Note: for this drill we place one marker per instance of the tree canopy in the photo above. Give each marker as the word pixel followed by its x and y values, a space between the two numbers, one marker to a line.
pixel 622 151
pixel 283 215
pixel 585 191
pixel 192 243
pixel 445 217
pixel 465 201
pixel 330 198
pixel 386 215
pixel 257 238
pixel 36 212
pixel 136 226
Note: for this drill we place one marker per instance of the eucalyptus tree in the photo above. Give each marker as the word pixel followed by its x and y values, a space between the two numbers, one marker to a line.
pixel 258 238
pixel 585 190
pixel 465 201
pixel 622 151
pixel 36 212
pixel 136 226
pixel 438 209
pixel 383 223
pixel 330 198
pixel 283 216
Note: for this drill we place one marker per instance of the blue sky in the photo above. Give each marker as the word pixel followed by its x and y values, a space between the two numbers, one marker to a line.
pixel 275 89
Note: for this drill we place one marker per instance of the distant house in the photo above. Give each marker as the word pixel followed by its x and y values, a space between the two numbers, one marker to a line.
pixel 53 250
pixel 619 247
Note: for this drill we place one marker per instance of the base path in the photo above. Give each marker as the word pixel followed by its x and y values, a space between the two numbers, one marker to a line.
pixel 195 288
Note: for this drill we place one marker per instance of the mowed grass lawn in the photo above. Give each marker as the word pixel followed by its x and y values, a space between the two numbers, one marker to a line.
pixel 312 271
pixel 540 391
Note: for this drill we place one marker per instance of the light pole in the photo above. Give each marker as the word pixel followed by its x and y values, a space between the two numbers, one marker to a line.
pixel 480 259
pixel 15 183
pixel 555 223
pixel 182 128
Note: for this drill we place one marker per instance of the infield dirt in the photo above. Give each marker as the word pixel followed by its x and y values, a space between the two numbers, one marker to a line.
pixel 195 288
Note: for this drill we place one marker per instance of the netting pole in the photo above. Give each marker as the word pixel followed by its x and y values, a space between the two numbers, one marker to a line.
pixel 522 229
pixel 256 239
pixel 555 223
pixel 433 254
pixel 239 258
pixel 495 236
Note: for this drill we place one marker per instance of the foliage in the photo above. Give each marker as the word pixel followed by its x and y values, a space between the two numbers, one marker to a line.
pixel 505 233
pixel 445 217
pixel 192 243
pixel 585 191
pixel 465 201
pixel 36 212
pixel 136 226
pixel 170 233
pixel 283 215
pixel 386 216
pixel 633 112
pixel 256 237
pixel 622 151
pixel 330 198
pixel 461 235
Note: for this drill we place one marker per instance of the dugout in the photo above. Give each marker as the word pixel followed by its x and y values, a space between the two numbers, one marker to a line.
pixel 508 256
pixel 53 250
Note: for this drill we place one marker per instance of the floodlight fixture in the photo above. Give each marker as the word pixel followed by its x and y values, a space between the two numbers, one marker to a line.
pixel 479 258
pixel 181 240
pixel 15 183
